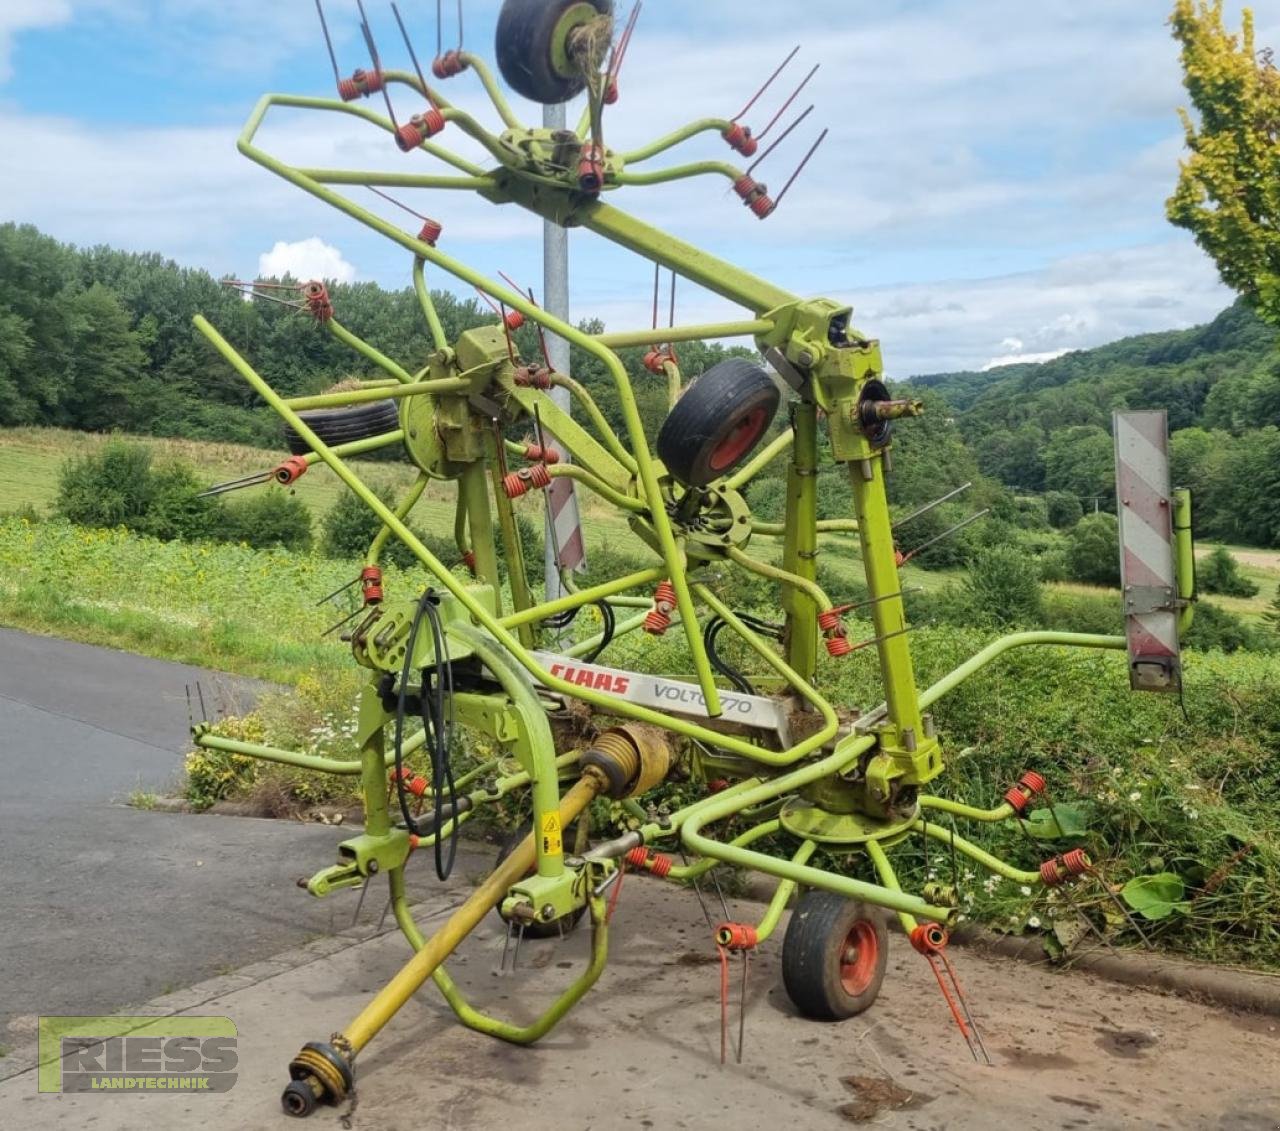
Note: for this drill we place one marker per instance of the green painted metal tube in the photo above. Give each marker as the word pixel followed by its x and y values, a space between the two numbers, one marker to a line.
pixel 981 659
pixel 702 867
pixel 396 180
pixel 473 497
pixel 607 434
pixel 378 393
pixel 290 757
pixel 429 312
pixel 1184 557
pixel 365 350
pixel 500 103
pixel 505 1030
pixel 359 447
pixel 761 459
pixel 669 141
pixel 1001 812
pixel 599 486
pixel 810 589
pixel 884 869
pixel 622 339
pixel 582 597
pixel 783 893
pixel 631 414
pixel 680 173
pixel 971 850
pixel 584 647
pixel 405 506
pixel 512 550
pixel 801 542
pixel 824 526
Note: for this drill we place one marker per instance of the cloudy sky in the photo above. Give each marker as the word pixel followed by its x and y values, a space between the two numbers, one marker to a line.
pixel 992 186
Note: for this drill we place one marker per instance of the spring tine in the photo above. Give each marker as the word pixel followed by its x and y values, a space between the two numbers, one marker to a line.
pixel 794 95
pixel 767 83
pixel 511 349
pixel 344 620
pixel 947 533
pixel 929 506
pixel 364 888
pixel 515 958
pixel 619 52
pixel 367 32
pixel 383 917
pixel 328 42
pixel 799 169
pixel 779 140
pixel 742 1004
pixel 506 943
pixel 724 1004
pixel 398 203
pixel 204 715
pixel 190 721
pixel 439 28
pixel 459 25
pixel 657 270
pixel 542 334
pixel 877 639
pixel 671 314
pixel 876 600
pixel 413 55
pixel 340 589
pixel 236 484
pixel 968 1014
pixel 1123 910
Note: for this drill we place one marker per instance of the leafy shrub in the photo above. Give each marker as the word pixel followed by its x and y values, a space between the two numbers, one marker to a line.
pixel 110 487
pixel 768 499
pixel 1083 612
pixel 175 510
pixel 1219 572
pixel 272 518
pixel 1003 585
pixel 1093 554
pixel 1216 627
pixel 1064 509
pixel 1054 566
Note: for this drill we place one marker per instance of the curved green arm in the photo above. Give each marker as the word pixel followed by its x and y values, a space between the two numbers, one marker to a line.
pixel 971 850
pixel 429 312
pixel 595 483
pixel 292 757
pixel 680 173
pixel 582 597
pixel 607 434
pixel 811 588
pixel 662 336
pixel 944 805
pixel 702 867
pixel 783 892
pixel 662 144
pixel 500 103
pixel 406 505
pixel 365 350
pixel 981 659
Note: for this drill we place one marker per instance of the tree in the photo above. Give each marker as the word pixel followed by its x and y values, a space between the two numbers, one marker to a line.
pixel 1228 192
pixel 1094 552
pixel 1219 572
pixel 1272 615
pixel 1064 510
pixel 1081 462
pixel 1003 586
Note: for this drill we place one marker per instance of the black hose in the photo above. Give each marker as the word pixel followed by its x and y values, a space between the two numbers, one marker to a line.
pixel 606 637
pixel 436 696
pixel 709 636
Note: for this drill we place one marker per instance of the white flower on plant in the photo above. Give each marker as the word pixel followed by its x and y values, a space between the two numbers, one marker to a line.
pixel 1034 921
pixel 1136 795
pixel 1025 890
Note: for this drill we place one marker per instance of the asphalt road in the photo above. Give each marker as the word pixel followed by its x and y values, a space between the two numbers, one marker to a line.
pixel 102 905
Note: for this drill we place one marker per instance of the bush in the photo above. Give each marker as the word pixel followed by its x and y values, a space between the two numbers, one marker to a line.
pixel 1215 627
pixel 1054 566
pixel 176 511
pixel 110 487
pixel 1219 572
pixel 1064 510
pixel 1003 586
pixel 273 518
pixel 1093 554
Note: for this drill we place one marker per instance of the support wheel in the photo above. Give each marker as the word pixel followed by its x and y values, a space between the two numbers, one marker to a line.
pixel 566 923
pixel 531 46
pixel 833 956
pixel 717 423
pixel 342 425
pixel 298 1099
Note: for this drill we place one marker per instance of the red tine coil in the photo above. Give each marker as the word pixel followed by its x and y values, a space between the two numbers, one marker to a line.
pixel 417 786
pixel 1016 799
pixel 513 320
pixel 740 139
pixel 316 296
pixel 657 622
pixel 1077 862
pixel 448 65
pixel 737 936
pixel 431 232
pixel 1050 874
pixel 418 128
pixel 1033 782
pixel 828 620
pixel 371 585
pixel 291 470
pixel 361 84
pixel 665 596
pixel 660 865
pixel 839 645
pixel 637 857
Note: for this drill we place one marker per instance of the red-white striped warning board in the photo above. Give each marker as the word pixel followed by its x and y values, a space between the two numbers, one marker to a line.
pixel 1147 575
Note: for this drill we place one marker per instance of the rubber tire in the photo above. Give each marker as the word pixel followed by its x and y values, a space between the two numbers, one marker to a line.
pixel 540 930
pixel 812 953
pixel 722 400
pixel 343 425
pixel 523 48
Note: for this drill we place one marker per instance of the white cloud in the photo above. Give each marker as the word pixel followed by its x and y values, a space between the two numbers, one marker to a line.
pixel 1022 359
pixel 311 258
pixel 22 15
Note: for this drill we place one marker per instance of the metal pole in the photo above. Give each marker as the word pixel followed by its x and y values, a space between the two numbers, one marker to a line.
pixel 555 290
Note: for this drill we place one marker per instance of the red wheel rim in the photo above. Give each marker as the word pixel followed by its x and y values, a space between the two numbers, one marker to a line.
pixel 739 441
pixel 858 958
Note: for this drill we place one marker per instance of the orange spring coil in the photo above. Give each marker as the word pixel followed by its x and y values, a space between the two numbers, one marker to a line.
pixel 665 595
pixel 657 622
pixel 513 320
pixel 1017 799
pixel 638 857
pixel 740 139
pixel 1077 862
pixel 1051 874
pixel 360 83
pixel 431 232
pixel 517 483
pixel 447 65
pixel 928 938
pixel 417 785
pixel 655 361
pixel 536 453
pixel 371 585
pixel 829 620
pixel 737 936
pixel 527 377
pixel 839 645
pixel 1033 782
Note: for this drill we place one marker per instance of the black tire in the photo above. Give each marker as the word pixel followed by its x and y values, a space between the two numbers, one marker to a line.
pixel 718 421
pixel 523 46
pixel 834 956
pixel 556 927
pixel 342 425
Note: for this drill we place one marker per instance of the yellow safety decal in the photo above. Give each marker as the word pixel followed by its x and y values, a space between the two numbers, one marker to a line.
pixel 551 842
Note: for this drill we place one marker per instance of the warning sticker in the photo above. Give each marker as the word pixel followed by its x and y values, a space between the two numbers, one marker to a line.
pixel 551 842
